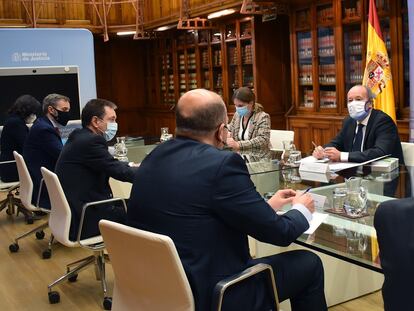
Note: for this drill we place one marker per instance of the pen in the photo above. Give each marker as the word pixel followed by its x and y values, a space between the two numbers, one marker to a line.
pixel 306 191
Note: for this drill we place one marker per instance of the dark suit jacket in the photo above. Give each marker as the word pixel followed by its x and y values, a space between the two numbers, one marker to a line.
pixel 84 168
pixel 204 200
pixel 42 148
pixel 394 221
pixel 12 139
pixel 381 138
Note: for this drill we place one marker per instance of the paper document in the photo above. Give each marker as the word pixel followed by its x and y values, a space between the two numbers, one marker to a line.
pixel 339 166
pixel 317 220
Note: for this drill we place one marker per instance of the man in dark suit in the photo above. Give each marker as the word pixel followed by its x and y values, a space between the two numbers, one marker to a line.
pixel 393 222
pixel 203 198
pixel 85 165
pixel 366 134
pixel 43 144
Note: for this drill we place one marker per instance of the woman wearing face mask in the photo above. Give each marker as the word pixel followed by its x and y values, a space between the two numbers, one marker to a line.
pixel 15 130
pixel 249 130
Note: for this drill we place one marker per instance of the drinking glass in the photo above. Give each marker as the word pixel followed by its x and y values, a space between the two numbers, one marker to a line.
pixel 339 196
pixel 165 135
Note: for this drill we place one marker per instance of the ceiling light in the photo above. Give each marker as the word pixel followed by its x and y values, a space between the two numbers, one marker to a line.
pixel 125 33
pixel 164 28
pixel 221 13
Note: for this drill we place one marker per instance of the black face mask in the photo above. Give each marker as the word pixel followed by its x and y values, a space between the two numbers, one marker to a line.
pixel 63 117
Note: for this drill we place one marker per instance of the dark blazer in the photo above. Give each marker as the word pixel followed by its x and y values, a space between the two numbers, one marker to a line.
pixel 381 138
pixel 84 168
pixel 393 222
pixel 12 139
pixel 42 148
pixel 204 199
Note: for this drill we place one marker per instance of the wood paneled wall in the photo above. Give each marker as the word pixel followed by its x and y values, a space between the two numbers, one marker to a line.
pixel 81 13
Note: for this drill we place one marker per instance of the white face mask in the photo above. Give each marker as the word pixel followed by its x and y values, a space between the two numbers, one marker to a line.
pixel 357 110
pixel 30 119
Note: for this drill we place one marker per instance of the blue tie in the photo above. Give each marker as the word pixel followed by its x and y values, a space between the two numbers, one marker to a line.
pixel 358 139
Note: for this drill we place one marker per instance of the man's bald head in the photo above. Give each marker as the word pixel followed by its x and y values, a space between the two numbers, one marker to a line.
pixel 361 92
pixel 199 112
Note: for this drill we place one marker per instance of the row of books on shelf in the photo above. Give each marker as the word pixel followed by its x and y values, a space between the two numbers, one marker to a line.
pixel 326 45
pixel 325 14
pixel 327 99
pixel 305 74
pixel 217 58
pixel 233 55
pixel 353 11
pixel 247 54
pixel 308 98
pixel 304 47
pixel 327 73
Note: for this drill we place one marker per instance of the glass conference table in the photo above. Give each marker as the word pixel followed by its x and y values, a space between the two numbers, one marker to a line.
pixel 351 240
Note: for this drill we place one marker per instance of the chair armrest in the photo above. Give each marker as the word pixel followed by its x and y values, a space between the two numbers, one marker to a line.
pixel 39 192
pixel 89 204
pixel 223 285
pixel 7 162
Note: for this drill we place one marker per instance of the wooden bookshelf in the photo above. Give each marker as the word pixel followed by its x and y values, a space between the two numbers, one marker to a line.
pixel 328 50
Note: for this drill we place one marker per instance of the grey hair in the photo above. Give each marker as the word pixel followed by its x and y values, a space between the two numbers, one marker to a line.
pixel 371 95
pixel 52 100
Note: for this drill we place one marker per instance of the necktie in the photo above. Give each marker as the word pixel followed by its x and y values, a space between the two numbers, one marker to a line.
pixel 358 139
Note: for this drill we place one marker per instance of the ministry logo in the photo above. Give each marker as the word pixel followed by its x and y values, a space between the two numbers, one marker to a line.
pixel 16 57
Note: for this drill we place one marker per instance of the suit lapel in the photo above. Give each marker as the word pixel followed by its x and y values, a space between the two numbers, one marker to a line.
pixel 351 133
pixel 371 121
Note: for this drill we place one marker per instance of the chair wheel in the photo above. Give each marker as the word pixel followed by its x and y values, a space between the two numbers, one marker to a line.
pixel 14 248
pixel 73 278
pixel 107 303
pixel 40 235
pixel 47 254
pixel 54 297
pixel 29 221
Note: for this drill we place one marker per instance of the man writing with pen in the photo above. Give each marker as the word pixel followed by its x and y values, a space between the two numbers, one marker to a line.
pixel 366 134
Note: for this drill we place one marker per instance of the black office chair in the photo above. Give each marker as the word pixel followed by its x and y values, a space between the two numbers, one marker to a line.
pixel 394 223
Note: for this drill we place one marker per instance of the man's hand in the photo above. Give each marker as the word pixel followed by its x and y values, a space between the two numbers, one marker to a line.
pixel 333 154
pixel 232 144
pixel 281 198
pixel 305 199
pixel 318 152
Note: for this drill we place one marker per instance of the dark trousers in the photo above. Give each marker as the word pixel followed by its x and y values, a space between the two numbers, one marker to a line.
pixel 299 277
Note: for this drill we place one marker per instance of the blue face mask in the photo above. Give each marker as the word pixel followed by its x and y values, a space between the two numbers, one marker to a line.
pixel 242 111
pixel 111 129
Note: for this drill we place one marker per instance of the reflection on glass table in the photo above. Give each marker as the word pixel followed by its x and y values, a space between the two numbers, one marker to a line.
pixel 341 236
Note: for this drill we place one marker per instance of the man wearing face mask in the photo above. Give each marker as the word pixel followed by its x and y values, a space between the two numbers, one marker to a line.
pixel 365 135
pixel 85 165
pixel 43 144
pixel 203 198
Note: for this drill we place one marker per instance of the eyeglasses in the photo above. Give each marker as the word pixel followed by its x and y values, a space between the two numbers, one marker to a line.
pixel 226 127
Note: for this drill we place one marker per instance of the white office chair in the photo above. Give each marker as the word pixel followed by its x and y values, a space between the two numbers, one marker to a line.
pixel 278 136
pixel 59 223
pixel 408 153
pixel 10 202
pixel 149 275
pixel 25 193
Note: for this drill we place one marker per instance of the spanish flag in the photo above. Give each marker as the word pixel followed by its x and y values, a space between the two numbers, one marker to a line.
pixel 377 75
